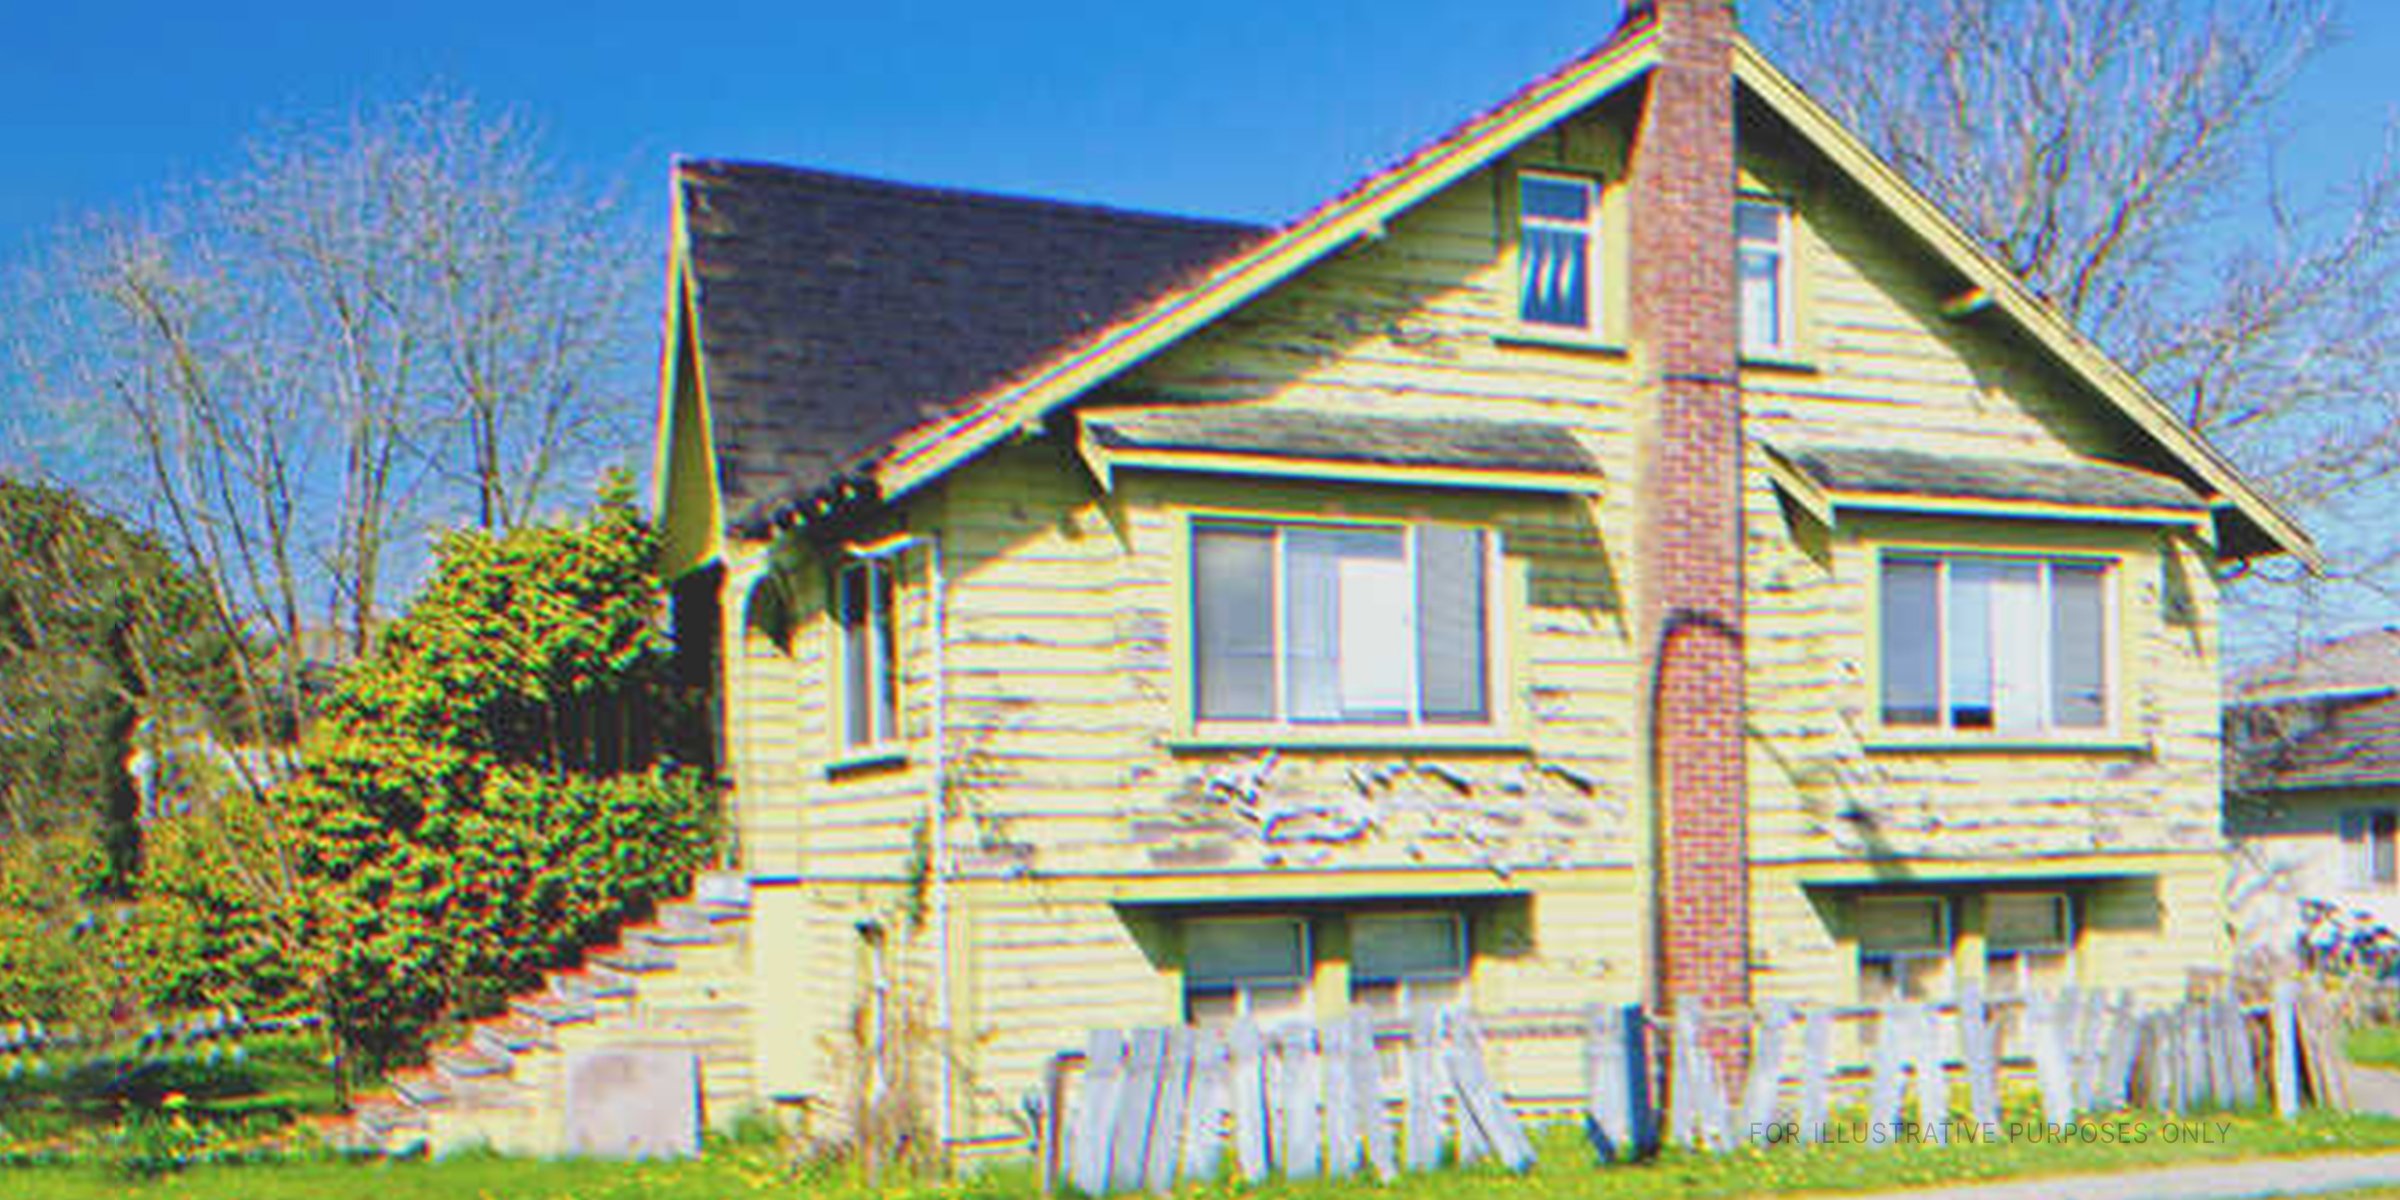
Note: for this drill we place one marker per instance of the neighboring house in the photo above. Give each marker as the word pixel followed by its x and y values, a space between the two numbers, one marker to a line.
pixel 1633 548
pixel 2313 787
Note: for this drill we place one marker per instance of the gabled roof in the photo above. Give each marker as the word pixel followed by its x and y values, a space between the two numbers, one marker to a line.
pixel 2326 716
pixel 1254 440
pixel 1028 390
pixel 817 350
pixel 1884 476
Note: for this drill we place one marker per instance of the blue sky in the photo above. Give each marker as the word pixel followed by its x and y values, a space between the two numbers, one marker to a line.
pixel 1249 108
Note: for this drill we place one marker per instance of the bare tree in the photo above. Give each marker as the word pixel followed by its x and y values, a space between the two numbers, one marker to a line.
pixel 2120 156
pixel 404 316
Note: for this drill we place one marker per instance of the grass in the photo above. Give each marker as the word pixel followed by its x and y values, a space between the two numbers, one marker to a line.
pixel 2374 1045
pixel 1566 1170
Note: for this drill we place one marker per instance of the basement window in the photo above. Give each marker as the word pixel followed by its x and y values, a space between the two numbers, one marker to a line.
pixel 1332 625
pixel 1903 948
pixel 2011 645
pixel 1254 968
pixel 1401 962
pixel 1558 252
pixel 870 659
pixel 2027 942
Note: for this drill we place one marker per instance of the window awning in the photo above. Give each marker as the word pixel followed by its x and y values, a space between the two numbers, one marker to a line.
pixel 1247 439
pixel 1827 479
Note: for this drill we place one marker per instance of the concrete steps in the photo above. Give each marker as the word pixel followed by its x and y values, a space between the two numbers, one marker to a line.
pixel 678 979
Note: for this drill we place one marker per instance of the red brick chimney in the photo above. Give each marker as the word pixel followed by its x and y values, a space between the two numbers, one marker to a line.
pixel 1688 545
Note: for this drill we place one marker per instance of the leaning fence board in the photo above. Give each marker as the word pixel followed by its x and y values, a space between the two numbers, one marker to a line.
pixel 1104 1066
pixel 1424 1110
pixel 2116 1054
pixel 1209 1106
pixel 1479 1101
pixel 1933 1086
pixel 1137 1103
pixel 1166 1122
pixel 1976 1057
pixel 1765 1089
pixel 1341 1109
pixel 2283 1029
pixel 1474 1140
pixel 2090 1033
pixel 1816 1068
pixel 1250 1112
pixel 2192 1028
pixel 1608 1116
pixel 1301 1081
pixel 1702 1117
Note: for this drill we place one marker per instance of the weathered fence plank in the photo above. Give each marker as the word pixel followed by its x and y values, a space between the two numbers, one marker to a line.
pixel 1210 1105
pixel 1765 1088
pixel 1479 1101
pixel 1166 1123
pixel 2283 1029
pixel 1095 1118
pixel 1884 1094
pixel 1933 1085
pixel 2042 1028
pixel 1342 1155
pixel 1302 1155
pixel 2117 1053
pixel 1976 1055
pixel 1425 1074
pixel 1366 1093
pixel 1137 1103
pixel 1607 1113
pixel 1251 1116
pixel 1816 1071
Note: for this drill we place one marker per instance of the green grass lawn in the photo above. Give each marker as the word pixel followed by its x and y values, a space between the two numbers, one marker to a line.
pixel 1567 1170
pixel 2374 1045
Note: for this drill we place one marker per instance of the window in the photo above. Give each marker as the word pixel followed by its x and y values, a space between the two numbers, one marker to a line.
pixel 1321 624
pixel 1400 962
pixel 870 658
pixel 1558 251
pixel 1903 948
pixel 2368 835
pixel 2013 645
pixel 1762 242
pixel 1236 967
pixel 2027 940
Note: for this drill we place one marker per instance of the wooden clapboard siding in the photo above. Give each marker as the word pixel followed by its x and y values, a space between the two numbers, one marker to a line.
pixel 1078 796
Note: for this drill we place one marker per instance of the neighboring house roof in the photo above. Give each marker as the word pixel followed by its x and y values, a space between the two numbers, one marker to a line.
pixel 1878 471
pixel 1476 448
pixel 2326 716
pixel 835 311
pixel 1020 393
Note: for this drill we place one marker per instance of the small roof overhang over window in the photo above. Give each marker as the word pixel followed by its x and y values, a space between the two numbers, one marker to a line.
pixel 1825 481
pixel 1244 439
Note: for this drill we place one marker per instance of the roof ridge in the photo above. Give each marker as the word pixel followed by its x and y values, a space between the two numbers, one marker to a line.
pixel 820 177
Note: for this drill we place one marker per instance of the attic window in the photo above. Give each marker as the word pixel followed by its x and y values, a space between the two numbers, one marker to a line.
pixel 1558 241
pixel 1762 239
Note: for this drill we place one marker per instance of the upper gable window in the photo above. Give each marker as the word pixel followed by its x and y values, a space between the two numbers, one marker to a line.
pixel 1762 239
pixel 2016 645
pixel 1340 624
pixel 1558 252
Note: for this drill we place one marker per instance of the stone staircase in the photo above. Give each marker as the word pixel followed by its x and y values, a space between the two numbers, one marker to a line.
pixel 681 980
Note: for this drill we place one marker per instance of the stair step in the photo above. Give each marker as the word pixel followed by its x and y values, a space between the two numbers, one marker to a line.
pixel 469 1062
pixel 383 1117
pixel 419 1087
pixel 635 959
pixel 553 1010
pixel 591 983
pixel 510 1035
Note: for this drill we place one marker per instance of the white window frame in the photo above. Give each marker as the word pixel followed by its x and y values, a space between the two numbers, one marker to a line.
pixel 2063 948
pixel 1241 987
pixel 1945 721
pixel 1595 298
pixel 1458 972
pixel 882 620
pixel 1947 954
pixel 1495 686
pixel 2358 862
pixel 1752 344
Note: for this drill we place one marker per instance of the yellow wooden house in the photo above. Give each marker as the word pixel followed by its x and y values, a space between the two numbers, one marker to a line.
pixel 1121 619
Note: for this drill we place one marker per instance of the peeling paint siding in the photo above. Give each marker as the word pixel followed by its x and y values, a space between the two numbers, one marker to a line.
pixel 2289 848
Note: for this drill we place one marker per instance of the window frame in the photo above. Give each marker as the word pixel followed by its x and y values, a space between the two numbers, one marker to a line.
pixel 2064 948
pixel 884 676
pixel 2111 569
pixel 2358 865
pixel 1597 309
pixel 1499 718
pixel 1240 987
pixel 1405 983
pixel 1947 955
pixel 1787 324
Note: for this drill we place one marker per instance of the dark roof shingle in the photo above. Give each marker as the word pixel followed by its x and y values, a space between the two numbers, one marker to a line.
pixel 2325 716
pixel 1519 446
pixel 1880 471
pixel 836 311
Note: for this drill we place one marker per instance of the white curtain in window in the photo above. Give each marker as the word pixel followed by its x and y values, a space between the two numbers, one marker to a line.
pixel 1911 642
pixel 2019 647
pixel 1348 625
pixel 1450 623
pixel 2078 646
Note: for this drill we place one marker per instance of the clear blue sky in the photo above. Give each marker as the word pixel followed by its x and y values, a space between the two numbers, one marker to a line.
pixel 1249 108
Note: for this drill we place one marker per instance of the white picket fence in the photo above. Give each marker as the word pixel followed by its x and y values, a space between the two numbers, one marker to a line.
pixel 1156 1106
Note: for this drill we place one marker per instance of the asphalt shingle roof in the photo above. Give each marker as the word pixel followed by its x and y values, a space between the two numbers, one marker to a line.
pixel 1522 446
pixel 1880 471
pixel 2326 716
pixel 836 311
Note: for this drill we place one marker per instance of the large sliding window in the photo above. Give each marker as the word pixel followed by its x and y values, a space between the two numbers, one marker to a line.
pixel 1341 624
pixel 2016 645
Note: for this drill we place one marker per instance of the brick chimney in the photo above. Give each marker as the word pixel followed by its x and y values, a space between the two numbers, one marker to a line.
pixel 1688 544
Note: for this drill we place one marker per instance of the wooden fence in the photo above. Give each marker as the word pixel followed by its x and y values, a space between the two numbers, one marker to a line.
pixel 1159 1105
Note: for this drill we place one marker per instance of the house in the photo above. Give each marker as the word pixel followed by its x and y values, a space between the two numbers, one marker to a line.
pixel 2313 787
pixel 1634 547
